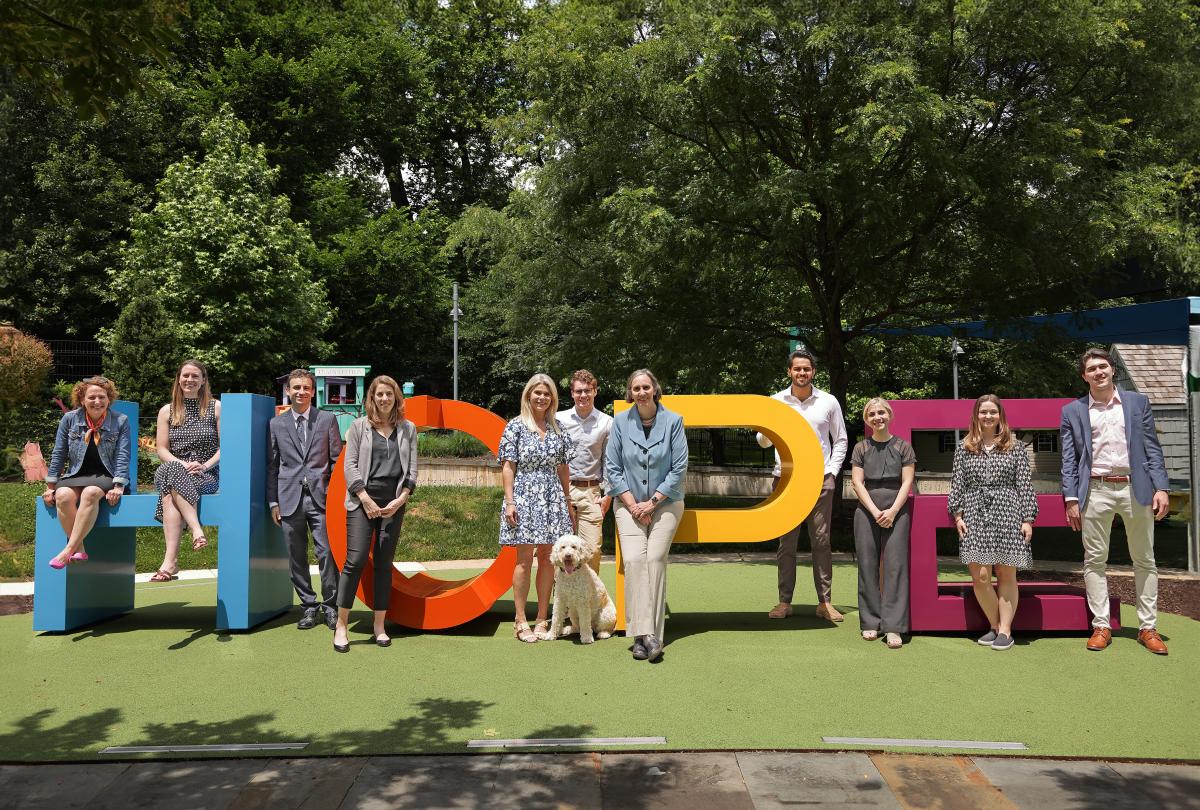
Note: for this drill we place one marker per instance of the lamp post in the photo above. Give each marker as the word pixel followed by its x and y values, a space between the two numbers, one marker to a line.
pixel 454 313
pixel 955 351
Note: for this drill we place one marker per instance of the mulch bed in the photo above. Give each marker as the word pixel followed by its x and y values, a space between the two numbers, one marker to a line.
pixel 11 605
pixel 1180 596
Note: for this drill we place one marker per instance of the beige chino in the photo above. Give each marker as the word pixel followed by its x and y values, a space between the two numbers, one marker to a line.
pixel 644 550
pixel 1105 501
pixel 591 520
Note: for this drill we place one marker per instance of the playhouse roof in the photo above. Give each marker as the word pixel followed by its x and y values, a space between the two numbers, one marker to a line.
pixel 1156 371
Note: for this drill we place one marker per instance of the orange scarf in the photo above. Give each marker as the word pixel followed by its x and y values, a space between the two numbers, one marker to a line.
pixel 93 434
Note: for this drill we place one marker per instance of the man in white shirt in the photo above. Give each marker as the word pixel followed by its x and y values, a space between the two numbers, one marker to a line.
pixel 1112 464
pixel 824 414
pixel 588 428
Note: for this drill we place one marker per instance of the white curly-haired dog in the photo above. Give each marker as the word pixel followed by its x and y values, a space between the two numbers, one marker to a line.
pixel 580 598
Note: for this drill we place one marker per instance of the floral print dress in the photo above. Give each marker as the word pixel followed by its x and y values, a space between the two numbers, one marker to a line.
pixel 542 515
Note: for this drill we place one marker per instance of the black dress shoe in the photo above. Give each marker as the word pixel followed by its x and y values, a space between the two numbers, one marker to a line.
pixel 330 617
pixel 308 620
pixel 341 647
pixel 639 650
pixel 654 650
pixel 382 641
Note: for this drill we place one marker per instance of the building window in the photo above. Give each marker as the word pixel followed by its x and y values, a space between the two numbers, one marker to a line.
pixel 946 441
pixel 1045 442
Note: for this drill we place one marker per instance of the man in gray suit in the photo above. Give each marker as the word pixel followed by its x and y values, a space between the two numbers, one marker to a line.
pixel 305 444
pixel 1112 464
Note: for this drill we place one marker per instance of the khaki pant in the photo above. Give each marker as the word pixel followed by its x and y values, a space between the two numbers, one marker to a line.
pixel 818 522
pixel 1105 500
pixel 644 552
pixel 587 509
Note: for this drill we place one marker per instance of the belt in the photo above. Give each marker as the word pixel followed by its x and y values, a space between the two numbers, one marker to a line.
pixel 1112 479
pixel 585 482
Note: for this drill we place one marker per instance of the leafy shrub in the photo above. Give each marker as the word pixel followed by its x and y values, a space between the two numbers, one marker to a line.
pixel 25 362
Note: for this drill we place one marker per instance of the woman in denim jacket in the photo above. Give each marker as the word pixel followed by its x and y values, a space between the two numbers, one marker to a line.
pixel 93 444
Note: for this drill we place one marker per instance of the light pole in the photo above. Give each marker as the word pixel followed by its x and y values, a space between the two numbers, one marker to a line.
pixel 955 351
pixel 454 313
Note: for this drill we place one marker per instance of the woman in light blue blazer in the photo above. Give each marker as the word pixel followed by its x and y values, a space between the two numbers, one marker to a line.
pixel 646 460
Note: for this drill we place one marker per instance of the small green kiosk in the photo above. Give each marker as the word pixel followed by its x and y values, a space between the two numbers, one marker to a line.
pixel 340 391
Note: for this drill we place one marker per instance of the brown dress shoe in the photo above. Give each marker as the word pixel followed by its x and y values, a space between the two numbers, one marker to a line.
pixel 829 612
pixel 1101 638
pixel 1152 641
pixel 780 611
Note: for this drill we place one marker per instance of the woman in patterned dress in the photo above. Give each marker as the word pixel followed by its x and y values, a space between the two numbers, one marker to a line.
pixel 189 445
pixel 993 505
pixel 537 504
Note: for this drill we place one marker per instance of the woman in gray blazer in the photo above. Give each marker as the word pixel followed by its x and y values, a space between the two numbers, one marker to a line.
pixel 381 474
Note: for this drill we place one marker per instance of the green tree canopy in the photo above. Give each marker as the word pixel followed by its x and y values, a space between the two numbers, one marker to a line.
pixel 228 263
pixel 716 172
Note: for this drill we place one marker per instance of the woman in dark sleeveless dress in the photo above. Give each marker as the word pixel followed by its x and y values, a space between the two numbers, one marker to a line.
pixel 189 444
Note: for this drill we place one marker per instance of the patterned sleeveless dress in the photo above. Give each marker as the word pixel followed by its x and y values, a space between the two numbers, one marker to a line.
pixel 195 440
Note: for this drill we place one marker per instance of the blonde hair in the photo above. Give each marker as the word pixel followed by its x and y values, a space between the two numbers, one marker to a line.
pixel 873 401
pixel 204 395
pixel 1004 437
pixel 527 409
pixel 393 416
pixel 80 390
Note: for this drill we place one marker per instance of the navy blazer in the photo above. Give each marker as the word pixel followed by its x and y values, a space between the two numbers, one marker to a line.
pixel 645 465
pixel 1147 472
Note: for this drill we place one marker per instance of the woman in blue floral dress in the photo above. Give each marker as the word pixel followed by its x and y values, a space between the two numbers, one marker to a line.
pixel 537 508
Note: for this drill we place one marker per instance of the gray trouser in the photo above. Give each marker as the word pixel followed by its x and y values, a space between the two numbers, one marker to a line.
pixel 295 533
pixel 822 554
pixel 882 601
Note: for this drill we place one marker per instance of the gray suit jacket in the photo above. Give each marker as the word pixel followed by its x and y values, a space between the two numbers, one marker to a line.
pixel 1146 469
pixel 288 465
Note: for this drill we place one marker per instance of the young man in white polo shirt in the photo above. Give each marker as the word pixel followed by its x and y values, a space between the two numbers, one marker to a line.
pixel 824 413
pixel 588 427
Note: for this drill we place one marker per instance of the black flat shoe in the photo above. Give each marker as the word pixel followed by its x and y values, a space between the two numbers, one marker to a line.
pixel 383 642
pixel 341 647
pixel 654 650
pixel 639 650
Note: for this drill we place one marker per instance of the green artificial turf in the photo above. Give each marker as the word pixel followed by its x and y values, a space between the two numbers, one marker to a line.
pixel 731 678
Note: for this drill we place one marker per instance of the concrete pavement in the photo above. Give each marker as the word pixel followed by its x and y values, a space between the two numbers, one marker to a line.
pixel 754 780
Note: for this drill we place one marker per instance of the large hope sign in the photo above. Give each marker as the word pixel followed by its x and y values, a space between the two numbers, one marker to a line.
pixel 429 603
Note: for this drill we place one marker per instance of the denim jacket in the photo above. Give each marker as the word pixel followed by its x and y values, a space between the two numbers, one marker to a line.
pixel 116 444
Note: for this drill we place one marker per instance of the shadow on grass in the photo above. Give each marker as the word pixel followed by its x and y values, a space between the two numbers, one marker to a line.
pixel 680 625
pixel 35 738
pixel 196 619
pixel 425 730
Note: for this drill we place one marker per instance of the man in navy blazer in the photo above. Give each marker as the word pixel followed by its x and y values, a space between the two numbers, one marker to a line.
pixel 305 444
pixel 1112 464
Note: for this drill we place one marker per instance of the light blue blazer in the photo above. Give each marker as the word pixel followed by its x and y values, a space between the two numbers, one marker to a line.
pixel 1147 472
pixel 644 465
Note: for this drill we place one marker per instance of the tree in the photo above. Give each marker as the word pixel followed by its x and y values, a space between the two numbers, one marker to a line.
pixel 145 350
pixel 228 264
pixel 715 173
pixel 86 53
pixel 25 363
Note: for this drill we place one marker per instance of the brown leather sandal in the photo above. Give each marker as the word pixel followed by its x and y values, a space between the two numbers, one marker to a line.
pixel 163 575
